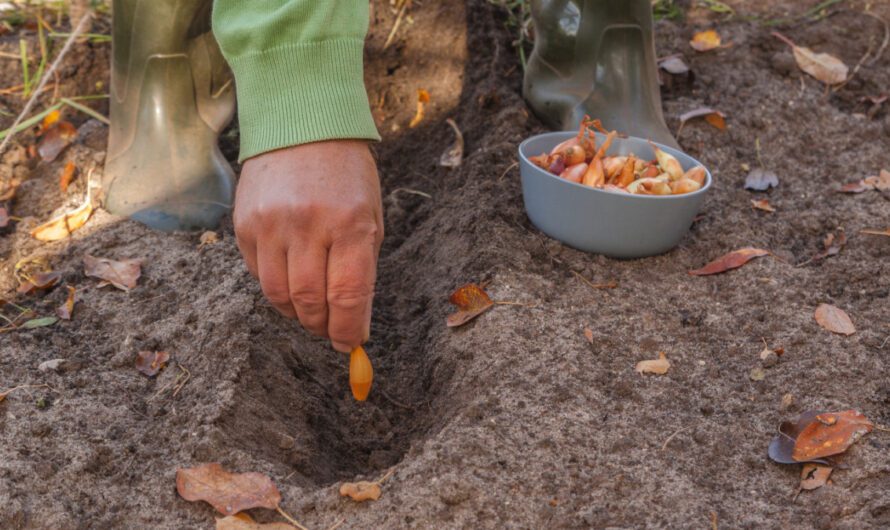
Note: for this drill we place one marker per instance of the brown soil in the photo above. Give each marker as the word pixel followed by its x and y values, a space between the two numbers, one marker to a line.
pixel 513 421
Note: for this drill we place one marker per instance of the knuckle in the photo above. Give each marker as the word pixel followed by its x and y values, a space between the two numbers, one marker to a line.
pixel 311 301
pixel 349 297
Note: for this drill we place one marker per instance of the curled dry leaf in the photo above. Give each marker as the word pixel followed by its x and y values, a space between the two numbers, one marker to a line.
pixel 361 374
pixel 782 445
pixel 705 40
pixel 830 433
pixel 673 65
pixel 831 246
pixel 39 281
pixel 423 97
pixel 229 493
pixel 757 374
pixel 658 366
pixel 732 260
pixel 824 67
pixel 879 182
pixel 455 154
pixel 588 334
pixel 208 238
pixel 834 319
pixel 151 362
pixel 471 301
pixel 242 521
pixel 66 310
pixel 360 491
pixel 66 176
pixel 55 140
pixel 762 204
pixel 814 476
pixel 62 226
pixel 713 117
pixel 121 274
pixel 760 179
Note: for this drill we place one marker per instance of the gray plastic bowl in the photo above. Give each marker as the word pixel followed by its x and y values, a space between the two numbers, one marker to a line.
pixel 619 225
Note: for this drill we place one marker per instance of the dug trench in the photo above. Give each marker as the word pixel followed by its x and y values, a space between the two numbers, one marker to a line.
pixel 513 420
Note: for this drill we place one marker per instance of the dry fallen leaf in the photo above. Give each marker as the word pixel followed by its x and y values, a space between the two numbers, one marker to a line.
pixel 814 476
pixel 760 179
pixel 831 433
pixel 705 40
pixel 39 322
pixel 242 521
pixel 66 310
pixel 762 204
pixel 673 65
pixel 229 493
pixel 588 334
pixel 48 121
pixel 714 117
pixel 782 445
pixel 66 176
pixel 834 319
pixel 151 362
pixel 121 274
pixel 471 301
pixel 4 217
pixel 885 232
pixel 360 491
pixel 208 238
pixel 39 281
pixel 879 182
pixel 824 67
pixel 455 154
pixel 55 140
pixel 732 260
pixel 62 226
pixel 423 97
pixel 757 374
pixel 658 366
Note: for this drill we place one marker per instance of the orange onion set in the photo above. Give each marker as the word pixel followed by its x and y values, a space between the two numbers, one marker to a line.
pixel 579 160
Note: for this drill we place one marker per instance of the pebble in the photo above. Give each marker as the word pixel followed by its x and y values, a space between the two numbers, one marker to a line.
pixel 51 365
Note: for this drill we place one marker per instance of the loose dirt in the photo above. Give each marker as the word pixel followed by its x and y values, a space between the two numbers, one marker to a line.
pixel 514 420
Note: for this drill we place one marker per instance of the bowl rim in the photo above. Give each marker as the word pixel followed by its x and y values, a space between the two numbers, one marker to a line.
pixel 600 136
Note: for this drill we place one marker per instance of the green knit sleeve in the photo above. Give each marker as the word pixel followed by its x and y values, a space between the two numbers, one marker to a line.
pixel 298 70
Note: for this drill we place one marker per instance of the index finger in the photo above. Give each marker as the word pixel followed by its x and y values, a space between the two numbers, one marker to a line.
pixel 352 269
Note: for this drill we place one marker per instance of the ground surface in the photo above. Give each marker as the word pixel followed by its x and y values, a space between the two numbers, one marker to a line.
pixel 515 420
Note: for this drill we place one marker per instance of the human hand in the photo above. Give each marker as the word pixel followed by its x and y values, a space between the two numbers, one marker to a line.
pixel 308 221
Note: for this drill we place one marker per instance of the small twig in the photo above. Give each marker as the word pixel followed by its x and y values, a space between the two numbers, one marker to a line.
pixel 612 284
pixel 412 192
pixel 398 22
pixel 511 166
pixel 388 474
pixel 510 302
pixel 188 375
pixel 337 525
pixel 671 437
pixel 884 44
pixel 290 519
pixel 47 75
pixel 882 428
pixel 394 401
pixel 853 73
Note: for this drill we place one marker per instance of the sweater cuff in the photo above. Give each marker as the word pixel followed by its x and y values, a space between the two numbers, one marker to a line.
pixel 302 93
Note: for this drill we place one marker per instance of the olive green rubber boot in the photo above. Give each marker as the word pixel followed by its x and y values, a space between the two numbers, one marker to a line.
pixel 596 57
pixel 171 96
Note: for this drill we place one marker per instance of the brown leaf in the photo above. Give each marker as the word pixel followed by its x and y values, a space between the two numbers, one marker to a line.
pixel 55 140
pixel 208 238
pixel 423 97
pixel 66 176
pixel 732 260
pixel 588 334
pixel 762 204
pixel 229 493
pixel 39 281
pixel 760 179
pixel 834 319
pixel 782 445
pixel 658 366
pixel 360 491
pixel 824 67
pixel 121 274
pixel 242 521
pixel 151 362
pixel 4 217
pixel 831 433
pixel 471 301
pixel 705 40
pixel 66 310
pixel 455 154
pixel 814 476
pixel 831 246
pixel 885 232
pixel 62 226
pixel 714 117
